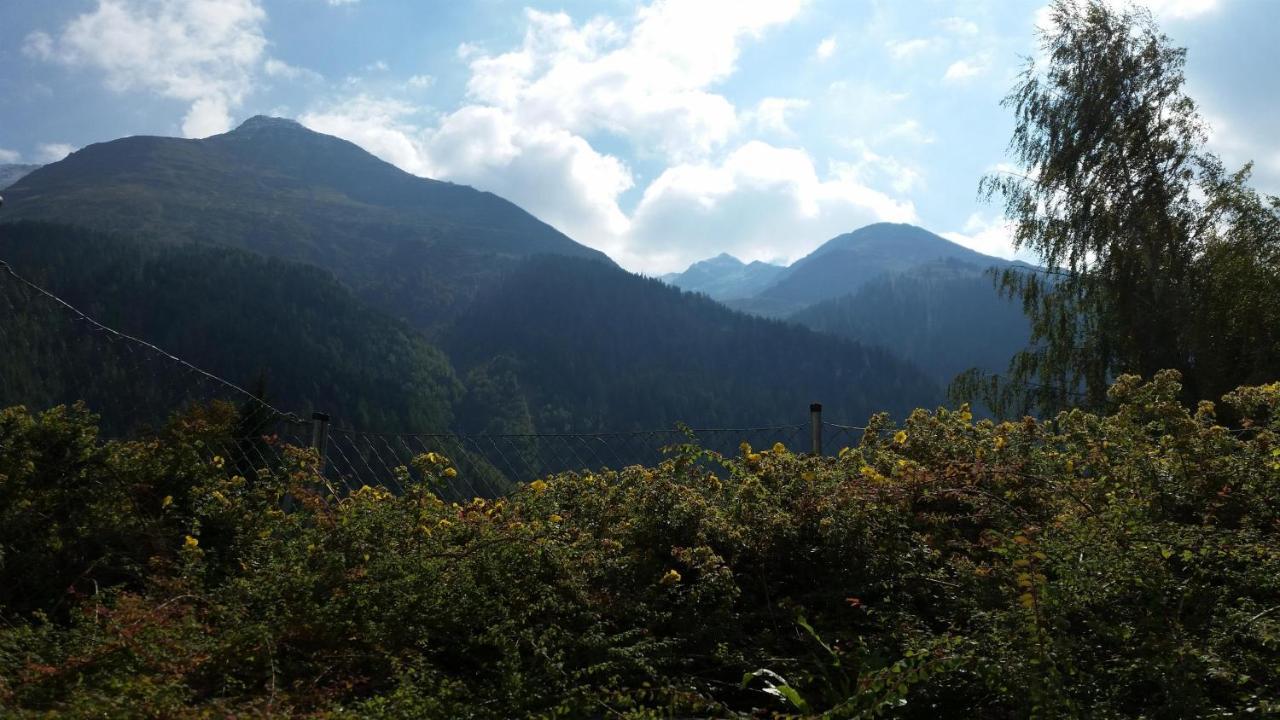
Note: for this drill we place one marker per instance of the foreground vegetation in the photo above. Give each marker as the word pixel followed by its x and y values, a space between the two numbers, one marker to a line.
pixel 1117 565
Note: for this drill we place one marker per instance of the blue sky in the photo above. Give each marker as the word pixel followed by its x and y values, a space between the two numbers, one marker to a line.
pixel 659 132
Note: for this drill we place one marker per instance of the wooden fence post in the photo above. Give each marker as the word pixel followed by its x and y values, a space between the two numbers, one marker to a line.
pixel 815 427
pixel 320 435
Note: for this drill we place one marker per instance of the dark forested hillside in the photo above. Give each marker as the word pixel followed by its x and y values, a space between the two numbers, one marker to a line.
pixel 946 317
pixel 236 314
pixel 597 348
pixel 411 246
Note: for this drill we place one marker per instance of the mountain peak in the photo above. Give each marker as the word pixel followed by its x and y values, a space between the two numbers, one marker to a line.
pixel 267 122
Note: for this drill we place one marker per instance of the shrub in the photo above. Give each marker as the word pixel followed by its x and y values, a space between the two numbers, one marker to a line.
pixel 1117 565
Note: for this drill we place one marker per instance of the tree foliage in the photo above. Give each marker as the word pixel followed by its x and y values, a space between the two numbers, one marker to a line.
pixel 1154 256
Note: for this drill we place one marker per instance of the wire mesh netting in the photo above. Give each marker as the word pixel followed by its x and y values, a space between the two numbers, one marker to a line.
pixel 490 465
pixel 135 388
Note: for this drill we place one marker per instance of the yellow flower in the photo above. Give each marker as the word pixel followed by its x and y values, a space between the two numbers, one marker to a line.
pixel 745 447
pixel 671 578
pixel 900 437
pixel 433 458
pixel 779 447
pixel 1000 442
pixel 1027 599
pixel 218 462
pixel 538 486
pixel 1071 466
pixel 191 543
pixel 167 501
pixel 753 457
pixel 220 497
pixel 555 518
pixel 449 472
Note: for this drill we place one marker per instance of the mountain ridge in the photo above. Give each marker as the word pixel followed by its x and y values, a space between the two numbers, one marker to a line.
pixel 413 246
pixel 725 277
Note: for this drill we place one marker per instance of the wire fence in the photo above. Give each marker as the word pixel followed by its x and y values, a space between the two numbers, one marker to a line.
pixel 52 353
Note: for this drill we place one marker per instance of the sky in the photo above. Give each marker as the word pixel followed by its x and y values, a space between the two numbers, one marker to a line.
pixel 659 132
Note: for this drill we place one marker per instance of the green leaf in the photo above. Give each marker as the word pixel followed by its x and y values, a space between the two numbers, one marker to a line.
pixel 792 696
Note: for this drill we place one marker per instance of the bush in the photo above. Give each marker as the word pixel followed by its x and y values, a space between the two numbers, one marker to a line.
pixel 1121 565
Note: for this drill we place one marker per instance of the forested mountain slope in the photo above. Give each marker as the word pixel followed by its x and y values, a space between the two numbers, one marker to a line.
pixel 946 317
pixel 236 314
pixel 592 347
pixel 412 246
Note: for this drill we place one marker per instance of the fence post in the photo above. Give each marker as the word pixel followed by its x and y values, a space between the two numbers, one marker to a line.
pixel 320 435
pixel 815 427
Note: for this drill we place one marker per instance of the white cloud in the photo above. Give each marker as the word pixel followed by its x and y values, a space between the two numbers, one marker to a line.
pixel 905 49
pixel 826 48
pixel 203 52
pixel 38 45
pixel 276 68
pixel 909 130
pixel 1239 143
pixel 421 82
pixel 9 156
pixel 771 114
pixel 1177 9
pixel 53 152
pixel 649 82
pixel 962 70
pixel 523 134
pixel 772 197
pixel 990 236
pixel 337 3
pixel 384 127
pixel 871 166
pixel 1163 10
pixel 959 26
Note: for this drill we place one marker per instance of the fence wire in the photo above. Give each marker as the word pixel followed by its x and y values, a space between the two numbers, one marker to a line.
pixel 52 353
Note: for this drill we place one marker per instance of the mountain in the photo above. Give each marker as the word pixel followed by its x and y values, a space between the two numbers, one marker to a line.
pixel 11 173
pixel 415 247
pixel 594 348
pixel 944 316
pixel 846 262
pixel 238 315
pixel 273 248
pixel 725 277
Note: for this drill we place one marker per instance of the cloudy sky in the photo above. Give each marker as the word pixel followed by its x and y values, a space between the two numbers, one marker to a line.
pixel 660 132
